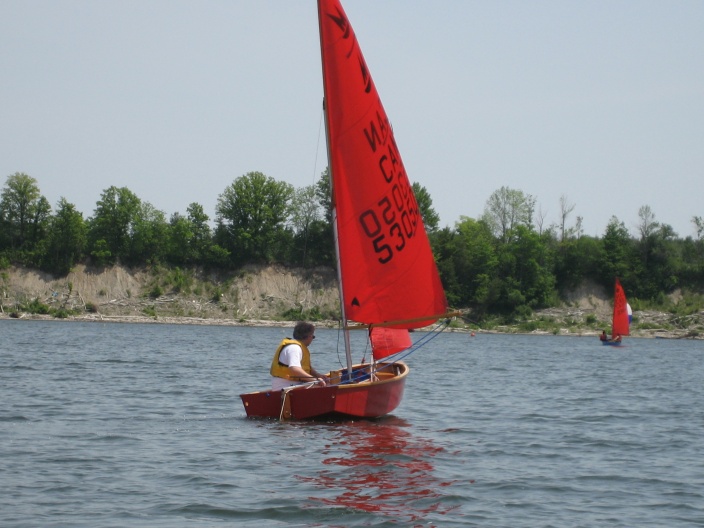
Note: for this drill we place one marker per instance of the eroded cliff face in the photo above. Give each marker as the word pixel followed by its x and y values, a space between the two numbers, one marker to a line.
pixel 256 292
pixel 268 296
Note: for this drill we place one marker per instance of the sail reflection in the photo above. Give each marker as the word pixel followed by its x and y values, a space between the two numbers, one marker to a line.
pixel 381 467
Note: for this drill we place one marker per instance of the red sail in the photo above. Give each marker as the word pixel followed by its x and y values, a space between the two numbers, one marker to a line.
pixel 620 323
pixel 386 263
pixel 387 341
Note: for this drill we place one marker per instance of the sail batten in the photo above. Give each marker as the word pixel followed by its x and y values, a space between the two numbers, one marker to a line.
pixel 387 270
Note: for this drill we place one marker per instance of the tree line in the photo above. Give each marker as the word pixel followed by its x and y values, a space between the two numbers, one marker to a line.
pixel 504 262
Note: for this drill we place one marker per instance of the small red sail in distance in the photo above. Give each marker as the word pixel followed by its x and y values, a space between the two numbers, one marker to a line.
pixel 386 263
pixel 620 323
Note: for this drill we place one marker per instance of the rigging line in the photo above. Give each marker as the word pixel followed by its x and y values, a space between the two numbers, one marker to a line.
pixel 423 341
pixel 285 392
pixel 283 405
pixel 315 165
pixel 317 148
pixel 340 329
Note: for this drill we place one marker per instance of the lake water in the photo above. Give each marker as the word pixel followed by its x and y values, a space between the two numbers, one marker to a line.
pixel 114 425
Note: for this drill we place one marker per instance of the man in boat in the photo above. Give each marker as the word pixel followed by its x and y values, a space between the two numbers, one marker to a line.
pixel 604 338
pixel 291 364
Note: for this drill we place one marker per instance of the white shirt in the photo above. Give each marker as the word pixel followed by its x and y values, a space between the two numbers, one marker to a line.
pixel 290 355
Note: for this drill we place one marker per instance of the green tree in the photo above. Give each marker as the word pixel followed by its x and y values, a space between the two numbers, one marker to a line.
pixel 148 236
pixel 475 264
pixel 506 209
pixel 216 257
pixel 304 209
pixel 24 211
pixel 110 229
pixel 202 235
pixel 698 222
pixel 251 215
pixel 431 219
pixel 320 245
pixel 525 271
pixel 180 239
pixel 691 266
pixel 566 209
pixel 660 257
pixel 443 242
pixel 321 241
pixel 305 215
pixel 39 223
pixel 618 258
pixel 190 237
pixel 66 240
pixel 323 191
pixel 576 259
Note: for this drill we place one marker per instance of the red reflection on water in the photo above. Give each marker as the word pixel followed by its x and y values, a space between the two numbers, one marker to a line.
pixel 385 469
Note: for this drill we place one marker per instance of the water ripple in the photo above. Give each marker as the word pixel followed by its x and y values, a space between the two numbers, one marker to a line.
pixel 141 425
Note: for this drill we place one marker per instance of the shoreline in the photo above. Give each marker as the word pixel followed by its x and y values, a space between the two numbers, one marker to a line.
pixel 259 296
pixel 267 323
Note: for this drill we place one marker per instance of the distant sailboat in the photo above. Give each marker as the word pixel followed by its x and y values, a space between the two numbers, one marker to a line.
pixel 388 279
pixel 621 318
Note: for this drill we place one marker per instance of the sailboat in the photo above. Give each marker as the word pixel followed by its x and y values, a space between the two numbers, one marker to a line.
pixel 621 318
pixel 388 280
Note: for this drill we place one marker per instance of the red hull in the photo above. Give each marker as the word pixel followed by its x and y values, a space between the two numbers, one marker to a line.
pixel 359 400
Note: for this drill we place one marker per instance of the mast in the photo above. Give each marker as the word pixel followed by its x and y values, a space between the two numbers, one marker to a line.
pixel 345 330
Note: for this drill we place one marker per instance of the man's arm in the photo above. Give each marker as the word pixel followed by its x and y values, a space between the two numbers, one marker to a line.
pixel 298 374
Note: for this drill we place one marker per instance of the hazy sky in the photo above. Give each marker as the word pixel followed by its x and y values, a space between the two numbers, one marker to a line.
pixel 600 101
